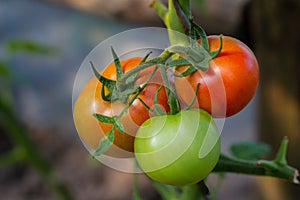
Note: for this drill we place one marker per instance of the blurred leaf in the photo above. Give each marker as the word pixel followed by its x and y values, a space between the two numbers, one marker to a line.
pixel 4 71
pixel 200 4
pixel 136 192
pixel 15 46
pixel 195 192
pixel 250 150
pixel 166 191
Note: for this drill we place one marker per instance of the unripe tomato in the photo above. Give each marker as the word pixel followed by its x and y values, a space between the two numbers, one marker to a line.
pixel 90 101
pixel 178 149
pixel 229 83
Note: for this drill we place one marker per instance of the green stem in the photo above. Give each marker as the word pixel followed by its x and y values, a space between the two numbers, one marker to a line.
pixel 260 168
pixel 161 59
pixel 176 18
pixel 186 7
pixel 139 90
pixel 160 8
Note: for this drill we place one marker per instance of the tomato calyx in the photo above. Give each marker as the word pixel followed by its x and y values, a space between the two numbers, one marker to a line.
pixel 196 55
pixel 119 89
pixel 108 139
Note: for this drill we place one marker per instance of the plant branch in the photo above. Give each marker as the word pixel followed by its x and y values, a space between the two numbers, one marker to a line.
pixel 260 168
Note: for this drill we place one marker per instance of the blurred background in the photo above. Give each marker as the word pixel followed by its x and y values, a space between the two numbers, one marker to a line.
pixel 42 45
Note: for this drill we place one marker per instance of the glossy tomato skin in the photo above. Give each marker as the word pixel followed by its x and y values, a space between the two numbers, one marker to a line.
pixel 230 82
pixel 90 101
pixel 178 149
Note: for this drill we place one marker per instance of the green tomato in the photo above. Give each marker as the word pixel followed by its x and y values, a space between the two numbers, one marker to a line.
pixel 178 149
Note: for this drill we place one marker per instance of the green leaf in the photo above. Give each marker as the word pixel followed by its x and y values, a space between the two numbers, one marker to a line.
pixel 30 47
pixel 250 150
pixel 105 143
pixel 4 71
pixel 166 191
pixel 104 119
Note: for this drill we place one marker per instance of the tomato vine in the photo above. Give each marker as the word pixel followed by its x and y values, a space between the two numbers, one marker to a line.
pixel 188 58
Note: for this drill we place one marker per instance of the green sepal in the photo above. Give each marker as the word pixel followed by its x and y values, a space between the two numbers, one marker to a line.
pixel 202 35
pixel 187 72
pixel 105 143
pixel 194 98
pixel 105 97
pixel 193 38
pixel 198 57
pixel 170 91
pixel 146 106
pixel 130 80
pixel 217 52
pixel 158 110
pixel 104 119
pixel 109 84
pixel 119 70
pixel 115 120
pixel 146 57
pixel 178 62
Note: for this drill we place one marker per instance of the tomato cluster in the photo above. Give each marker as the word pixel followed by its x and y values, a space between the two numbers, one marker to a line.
pixel 168 146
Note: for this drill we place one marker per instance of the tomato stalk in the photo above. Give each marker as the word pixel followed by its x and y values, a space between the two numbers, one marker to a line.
pixel 276 168
pixel 170 90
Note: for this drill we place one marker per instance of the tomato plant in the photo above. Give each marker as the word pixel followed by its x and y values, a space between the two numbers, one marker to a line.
pixel 90 101
pixel 229 83
pixel 136 104
pixel 176 150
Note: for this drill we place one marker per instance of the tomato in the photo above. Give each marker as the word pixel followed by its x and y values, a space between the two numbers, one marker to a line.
pixel 90 101
pixel 178 149
pixel 229 83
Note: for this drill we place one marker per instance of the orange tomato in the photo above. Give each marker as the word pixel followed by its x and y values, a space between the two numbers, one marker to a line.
pixel 90 101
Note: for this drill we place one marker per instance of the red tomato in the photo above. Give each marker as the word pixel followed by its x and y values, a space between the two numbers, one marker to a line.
pixel 229 83
pixel 90 101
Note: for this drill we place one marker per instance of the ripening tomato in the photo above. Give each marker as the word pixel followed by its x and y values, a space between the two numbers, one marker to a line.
pixel 90 101
pixel 179 149
pixel 229 83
